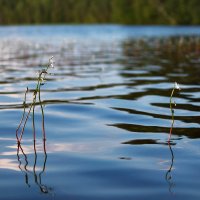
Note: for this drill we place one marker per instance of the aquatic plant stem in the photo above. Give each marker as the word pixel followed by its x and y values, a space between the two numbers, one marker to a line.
pixel 34 102
pixel 43 126
pixel 22 118
pixel 176 87
pixel 32 106
pixel 40 79
pixel 172 112
pixel 33 119
pixel 27 116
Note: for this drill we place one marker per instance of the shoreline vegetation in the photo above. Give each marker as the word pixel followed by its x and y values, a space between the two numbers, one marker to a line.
pixel 138 12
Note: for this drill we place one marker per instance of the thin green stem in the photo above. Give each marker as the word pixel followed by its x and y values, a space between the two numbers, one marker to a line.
pixel 23 128
pixel 32 106
pixel 172 111
pixel 34 101
pixel 43 126
pixel 171 100
pixel 22 118
pixel 33 119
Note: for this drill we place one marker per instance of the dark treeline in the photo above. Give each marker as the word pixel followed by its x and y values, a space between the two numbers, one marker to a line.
pixel 100 11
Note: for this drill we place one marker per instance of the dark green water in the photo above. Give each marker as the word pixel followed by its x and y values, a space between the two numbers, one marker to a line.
pixel 106 108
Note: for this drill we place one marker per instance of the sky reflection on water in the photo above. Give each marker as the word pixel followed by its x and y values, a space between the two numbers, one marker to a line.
pixel 107 115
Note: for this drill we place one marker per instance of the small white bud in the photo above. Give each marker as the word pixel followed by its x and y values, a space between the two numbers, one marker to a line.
pixel 51 62
pixel 176 86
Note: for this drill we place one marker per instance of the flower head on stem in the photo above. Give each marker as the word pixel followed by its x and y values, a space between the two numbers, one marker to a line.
pixel 176 86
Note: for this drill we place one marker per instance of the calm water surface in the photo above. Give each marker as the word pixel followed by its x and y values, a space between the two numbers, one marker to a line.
pixel 107 116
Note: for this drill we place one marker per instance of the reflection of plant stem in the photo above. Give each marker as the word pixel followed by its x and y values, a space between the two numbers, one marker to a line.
pixel 35 162
pixel 43 188
pixel 25 166
pixel 37 177
pixel 168 175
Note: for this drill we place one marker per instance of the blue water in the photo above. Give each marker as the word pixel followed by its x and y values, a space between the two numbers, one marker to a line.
pixel 106 112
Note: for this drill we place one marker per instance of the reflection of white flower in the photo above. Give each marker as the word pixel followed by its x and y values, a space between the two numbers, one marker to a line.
pixel 51 62
pixel 176 86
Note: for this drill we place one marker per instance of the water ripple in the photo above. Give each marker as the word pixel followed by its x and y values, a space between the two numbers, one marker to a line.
pixel 107 114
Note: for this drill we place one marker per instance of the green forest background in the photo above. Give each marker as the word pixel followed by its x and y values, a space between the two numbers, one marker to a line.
pixel 172 12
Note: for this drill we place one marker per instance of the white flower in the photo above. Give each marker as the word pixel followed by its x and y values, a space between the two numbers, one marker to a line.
pixel 176 86
pixel 37 73
pixel 51 62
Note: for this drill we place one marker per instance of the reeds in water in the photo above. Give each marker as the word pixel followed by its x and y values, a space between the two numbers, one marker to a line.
pixel 36 95
pixel 19 135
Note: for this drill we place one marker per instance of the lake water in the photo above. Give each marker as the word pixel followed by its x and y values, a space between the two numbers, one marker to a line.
pixel 106 112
